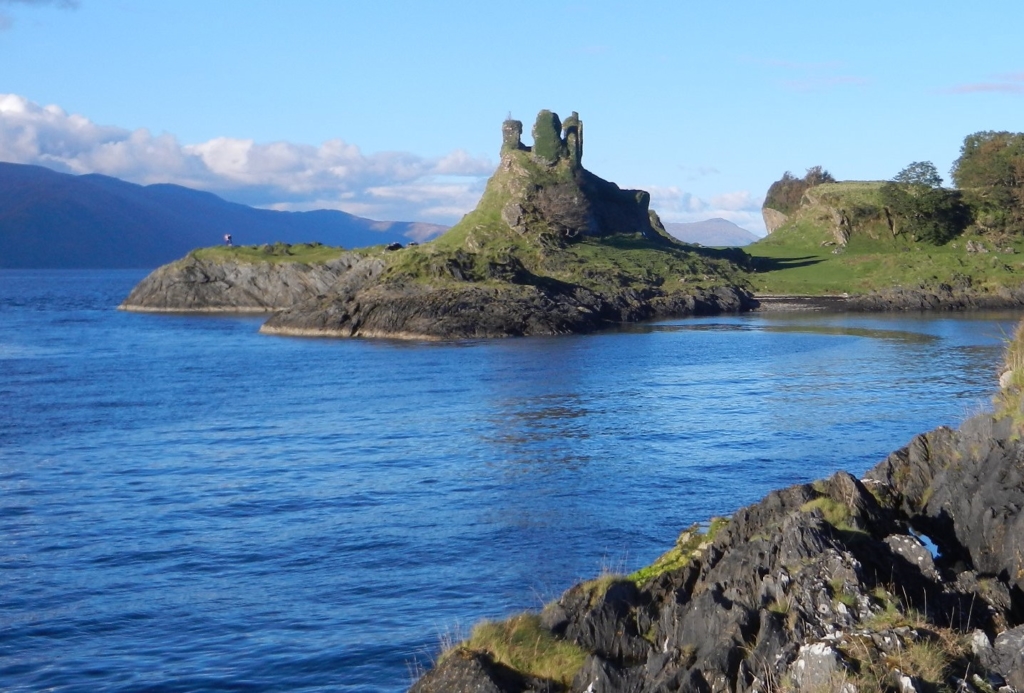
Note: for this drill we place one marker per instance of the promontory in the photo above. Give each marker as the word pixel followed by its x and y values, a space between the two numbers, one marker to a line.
pixel 550 248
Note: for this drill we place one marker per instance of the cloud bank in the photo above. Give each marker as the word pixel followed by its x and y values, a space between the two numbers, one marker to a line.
pixel 394 186
pixel 279 175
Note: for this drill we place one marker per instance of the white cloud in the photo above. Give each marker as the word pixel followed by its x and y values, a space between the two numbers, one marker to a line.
pixel 295 177
pixel 676 205
pixel 279 175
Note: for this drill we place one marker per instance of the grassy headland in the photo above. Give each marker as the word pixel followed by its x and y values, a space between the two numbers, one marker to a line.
pixel 840 240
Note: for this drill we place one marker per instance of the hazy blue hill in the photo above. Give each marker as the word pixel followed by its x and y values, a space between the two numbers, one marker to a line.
pixel 51 219
pixel 711 232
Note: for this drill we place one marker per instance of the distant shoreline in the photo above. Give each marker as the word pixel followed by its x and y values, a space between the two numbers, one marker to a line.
pixel 787 303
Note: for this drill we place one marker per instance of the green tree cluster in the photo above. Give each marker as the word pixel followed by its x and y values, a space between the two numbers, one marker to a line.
pixel 785 194
pixel 990 172
pixel 917 204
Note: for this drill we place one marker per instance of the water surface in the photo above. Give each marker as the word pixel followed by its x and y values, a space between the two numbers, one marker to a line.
pixel 188 505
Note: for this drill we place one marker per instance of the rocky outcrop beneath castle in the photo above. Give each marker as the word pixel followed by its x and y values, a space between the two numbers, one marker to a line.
pixel 546 190
pixel 479 311
pixel 201 285
pixel 829 586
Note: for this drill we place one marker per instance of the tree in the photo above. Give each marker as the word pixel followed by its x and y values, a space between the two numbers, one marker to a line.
pixel 920 173
pixel 785 194
pixel 816 175
pixel 990 172
pixel 917 204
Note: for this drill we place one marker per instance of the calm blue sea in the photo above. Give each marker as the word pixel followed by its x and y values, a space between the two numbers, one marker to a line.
pixel 188 505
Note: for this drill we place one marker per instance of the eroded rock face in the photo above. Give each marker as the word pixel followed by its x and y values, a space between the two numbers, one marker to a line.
pixel 941 297
pixel 476 311
pixel 827 586
pixel 476 672
pixel 196 285
pixel 561 196
pixel 773 218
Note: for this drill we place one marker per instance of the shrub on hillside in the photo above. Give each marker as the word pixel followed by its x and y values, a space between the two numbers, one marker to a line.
pixel 918 205
pixel 785 194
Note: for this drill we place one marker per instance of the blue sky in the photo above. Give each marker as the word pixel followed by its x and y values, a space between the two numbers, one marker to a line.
pixel 393 109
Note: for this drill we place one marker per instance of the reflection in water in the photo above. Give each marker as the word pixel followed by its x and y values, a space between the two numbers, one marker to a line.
pixel 839 330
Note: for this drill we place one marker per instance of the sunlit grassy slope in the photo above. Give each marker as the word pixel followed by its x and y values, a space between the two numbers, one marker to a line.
pixel 802 256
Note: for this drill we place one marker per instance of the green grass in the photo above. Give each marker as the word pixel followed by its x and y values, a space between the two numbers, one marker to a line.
pixel 690 544
pixel 850 193
pixel 1009 400
pixel 523 644
pixel 306 253
pixel 799 268
pixel 798 257
pixel 837 514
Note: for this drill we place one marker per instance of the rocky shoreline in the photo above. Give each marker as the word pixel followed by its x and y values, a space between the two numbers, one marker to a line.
pixel 828 586
pixel 342 298
pixel 940 298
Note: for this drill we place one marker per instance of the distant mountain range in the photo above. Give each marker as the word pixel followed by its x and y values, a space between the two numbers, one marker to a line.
pixel 712 232
pixel 51 220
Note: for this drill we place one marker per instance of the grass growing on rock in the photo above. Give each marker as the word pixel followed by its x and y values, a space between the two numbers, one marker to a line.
pixel 522 643
pixel 690 544
pixel 483 248
pixel 1009 400
pixel 836 514
pixel 305 253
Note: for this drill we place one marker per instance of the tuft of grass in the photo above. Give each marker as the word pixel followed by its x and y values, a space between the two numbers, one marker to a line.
pixel 840 594
pixel 690 544
pixel 1009 400
pixel 780 606
pixel 934 658
pixel 598 587
pixel 836 514
pixel 893 613
pixel 928 660
pixel 523 644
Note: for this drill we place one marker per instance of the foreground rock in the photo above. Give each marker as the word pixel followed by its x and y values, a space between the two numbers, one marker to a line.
pixel 820 587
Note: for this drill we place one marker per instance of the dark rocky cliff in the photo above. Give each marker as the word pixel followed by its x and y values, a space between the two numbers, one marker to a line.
pixel 829 586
